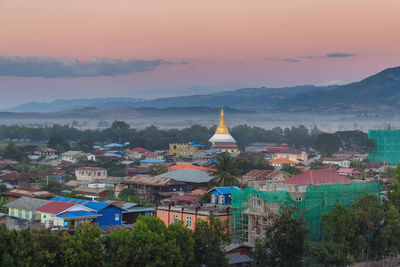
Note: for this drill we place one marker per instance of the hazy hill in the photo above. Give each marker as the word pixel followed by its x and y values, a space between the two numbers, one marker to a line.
pixel 62 104
pixel 379 93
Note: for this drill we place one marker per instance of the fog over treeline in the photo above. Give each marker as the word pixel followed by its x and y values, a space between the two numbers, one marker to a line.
pixel 154 138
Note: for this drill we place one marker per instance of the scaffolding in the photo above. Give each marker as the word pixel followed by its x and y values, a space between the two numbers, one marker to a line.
pixel 253 209
pixel 387 146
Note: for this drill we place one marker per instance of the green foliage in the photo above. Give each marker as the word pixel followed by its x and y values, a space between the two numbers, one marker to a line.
pixel 327 143
pixel 150 243
pixel 131 195
pixel 11 151
pixel 356 164
pixel 157 169
pixel 250 161
pixel 292 170
pixel 285 239
pixel 113 169
pixel 209 237
pixel 388 172
pixel 53 186
pixel 58 143
pixel 259 253
pixel 226 171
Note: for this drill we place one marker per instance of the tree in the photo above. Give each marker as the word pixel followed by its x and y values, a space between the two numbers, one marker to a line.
pixel 120 130
pixel 157 169
pixel 226 171
pixel 369 146
pixel 259 253
pixel 58 143
pixel 327 143
pixel 292 170
pixel 285 238
pixel 11 151
pixel 342 242
pixel 209 237
pixel 393 192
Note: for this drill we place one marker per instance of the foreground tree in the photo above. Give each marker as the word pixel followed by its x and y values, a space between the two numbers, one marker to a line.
pixel 226 173
pixel 209 238
pixel 284 241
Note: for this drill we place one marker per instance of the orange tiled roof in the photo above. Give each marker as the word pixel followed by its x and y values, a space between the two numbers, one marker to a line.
pixel 282 161
pixel 188 166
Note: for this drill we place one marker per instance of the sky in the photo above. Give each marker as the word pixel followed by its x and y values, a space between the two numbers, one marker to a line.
pixel 147 49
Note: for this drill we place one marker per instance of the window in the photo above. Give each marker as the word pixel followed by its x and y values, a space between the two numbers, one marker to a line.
pixel 117 216
pixel 221 199
pixel 174 218
pixel 189 221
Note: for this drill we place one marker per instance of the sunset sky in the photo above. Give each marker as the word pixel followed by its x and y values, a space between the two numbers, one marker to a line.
pixel 130 48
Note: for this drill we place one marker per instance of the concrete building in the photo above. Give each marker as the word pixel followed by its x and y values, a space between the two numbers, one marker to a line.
pixel 91 173
pixel 71 156
pixel 185 149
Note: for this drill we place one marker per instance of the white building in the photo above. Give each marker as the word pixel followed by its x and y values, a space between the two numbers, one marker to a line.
pixel 71 156
pixel 91 173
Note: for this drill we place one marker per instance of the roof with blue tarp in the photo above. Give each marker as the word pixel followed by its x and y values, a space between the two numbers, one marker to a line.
pixel 114 145
pixel 225 190
pixel 152 161
pixel 77 214
pixel 195 144
pixel 97 206
pixel 112 155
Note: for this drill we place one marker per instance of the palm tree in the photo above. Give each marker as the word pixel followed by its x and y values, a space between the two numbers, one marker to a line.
pixel 226 171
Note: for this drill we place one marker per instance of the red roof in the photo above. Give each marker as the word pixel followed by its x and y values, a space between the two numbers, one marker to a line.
pixel 55 207
pixel 139 149
pixel 282 161
pixel 276 149
pixel 317 177
pixel 188 166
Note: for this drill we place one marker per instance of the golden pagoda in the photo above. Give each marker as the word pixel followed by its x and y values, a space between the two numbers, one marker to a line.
pixel 222 140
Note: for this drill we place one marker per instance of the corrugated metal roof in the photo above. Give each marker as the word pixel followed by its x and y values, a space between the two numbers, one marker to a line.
pixel 317 177
pixel 55 207
pixel 187 176
pixel 150 180
pixel 78 214
pixel 225 190
pixel 97 206
pixel 27 203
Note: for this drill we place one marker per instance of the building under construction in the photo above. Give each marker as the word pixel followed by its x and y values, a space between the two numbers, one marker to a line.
pixel 253 209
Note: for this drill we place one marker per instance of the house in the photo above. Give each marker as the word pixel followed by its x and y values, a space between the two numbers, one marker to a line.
pixel 150 187
pixel 189 215
pixel 13 223
pixel 239 254
pixel 188 166
pixel 55 213
pixel 182 199
pixel 153 155
pixel 295 155
pixel 280 162
pixel 25 208
pixel 90 173
pixel 192 178
pixel 263 176
pixel 348 171
pixel 221 195
pixel 315 177
pixel 109 214
pixel 92 192
pixel 131 211
pixel 137 153
pixel 45 151
pixel 71 156
pixel 185 149
pixel 341 162
pixel 28 192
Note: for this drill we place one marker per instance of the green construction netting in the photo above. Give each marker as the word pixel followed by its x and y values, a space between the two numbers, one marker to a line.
pixel 318 200
pixel 387 146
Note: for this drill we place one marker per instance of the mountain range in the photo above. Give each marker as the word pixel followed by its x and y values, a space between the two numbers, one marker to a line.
pixel 377 94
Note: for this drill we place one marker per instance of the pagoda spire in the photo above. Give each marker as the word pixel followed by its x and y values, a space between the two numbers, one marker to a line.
pixel 222 129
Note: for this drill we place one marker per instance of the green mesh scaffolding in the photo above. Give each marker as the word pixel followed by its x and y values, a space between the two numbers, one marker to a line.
pixel 387 146
pixel 318 200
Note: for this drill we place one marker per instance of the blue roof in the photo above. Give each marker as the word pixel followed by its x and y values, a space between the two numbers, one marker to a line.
pixel 195 144
pixel 112 155
pixel 96 147
pixel 97 206
pixel 152 161
pixel 225 190
pixel 77 214
pixel 127 143
pixel 114 145
pixel 142 174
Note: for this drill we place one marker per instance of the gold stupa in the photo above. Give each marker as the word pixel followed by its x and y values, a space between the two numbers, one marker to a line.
pixel 222 129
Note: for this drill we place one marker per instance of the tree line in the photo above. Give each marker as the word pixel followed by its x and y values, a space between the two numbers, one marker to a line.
pixel 156 139
pixel 149 243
